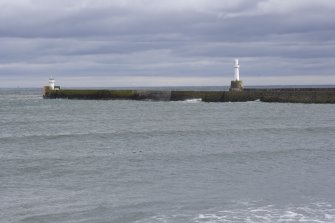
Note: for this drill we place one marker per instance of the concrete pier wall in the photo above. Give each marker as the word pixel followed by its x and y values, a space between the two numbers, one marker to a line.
pixel 284 95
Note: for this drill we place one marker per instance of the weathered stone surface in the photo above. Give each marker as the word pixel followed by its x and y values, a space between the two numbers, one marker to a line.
pixel 285 95
pixel 236 86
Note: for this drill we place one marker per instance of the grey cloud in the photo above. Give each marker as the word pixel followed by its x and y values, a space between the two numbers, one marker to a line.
pixel 115 21
pixel 167 38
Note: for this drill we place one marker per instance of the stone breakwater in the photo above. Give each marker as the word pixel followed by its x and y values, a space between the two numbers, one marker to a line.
pixel 284 95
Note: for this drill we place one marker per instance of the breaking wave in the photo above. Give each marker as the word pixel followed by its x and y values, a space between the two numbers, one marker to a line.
pixel 194 100
pixel 312 213
pixel 320 213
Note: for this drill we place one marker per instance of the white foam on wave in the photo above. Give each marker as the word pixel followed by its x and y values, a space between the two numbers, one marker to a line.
pixel 313 213
pixel 194 100
pixel 318 213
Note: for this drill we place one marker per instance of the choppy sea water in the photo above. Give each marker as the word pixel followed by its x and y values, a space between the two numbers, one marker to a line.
pixel 152 162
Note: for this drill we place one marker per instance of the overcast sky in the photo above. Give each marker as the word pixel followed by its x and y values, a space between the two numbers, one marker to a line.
pixel 166 42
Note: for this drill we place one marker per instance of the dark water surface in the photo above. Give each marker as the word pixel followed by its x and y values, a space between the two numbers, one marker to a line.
pixel 148 162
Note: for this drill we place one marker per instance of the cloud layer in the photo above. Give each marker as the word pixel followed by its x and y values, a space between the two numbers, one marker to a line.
pixel 90 41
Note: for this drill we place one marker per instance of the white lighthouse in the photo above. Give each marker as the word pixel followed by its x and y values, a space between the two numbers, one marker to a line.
pixel 236 71
pixel 51 83
pixel 236 84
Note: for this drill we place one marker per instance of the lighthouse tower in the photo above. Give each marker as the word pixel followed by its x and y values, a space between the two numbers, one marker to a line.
pixel 236 84
pixel 51 83
pixel 236 71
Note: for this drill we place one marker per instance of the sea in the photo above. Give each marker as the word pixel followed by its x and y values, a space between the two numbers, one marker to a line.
pixel 89 161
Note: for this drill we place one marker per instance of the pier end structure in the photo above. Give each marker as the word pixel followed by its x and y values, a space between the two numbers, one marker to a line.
pixel 50 88
pixel 236 84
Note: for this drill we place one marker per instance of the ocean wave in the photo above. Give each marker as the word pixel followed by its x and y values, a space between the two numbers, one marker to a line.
pixel 194 100
pixel 15 97
pixel 155 132
pixel 321 212
pixel 318 212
